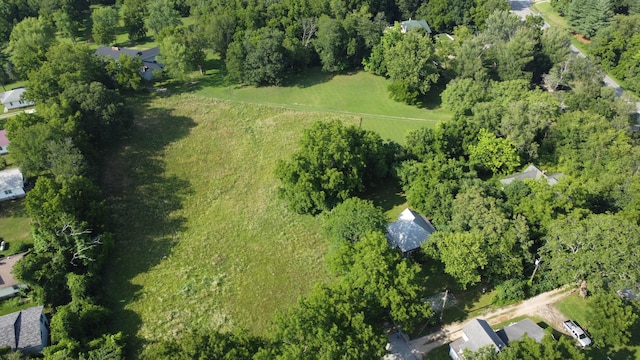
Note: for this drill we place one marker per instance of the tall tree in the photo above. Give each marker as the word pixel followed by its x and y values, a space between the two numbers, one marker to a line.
pixel 494 154
pixel 411 67
pixel 600 249
pixel 587 16
pixel 29 41
pixel 161 15
pixel 331 43
pixel 333 163
pixel 105 25
pixel 353 219
pixel 611 320
pixel 133 12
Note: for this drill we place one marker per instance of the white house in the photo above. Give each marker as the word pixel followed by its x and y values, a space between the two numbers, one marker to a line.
pixel 11 184
pixel 409 25
pixel 148 57
pixel 12 99
pixel 4 142
pixel 25 330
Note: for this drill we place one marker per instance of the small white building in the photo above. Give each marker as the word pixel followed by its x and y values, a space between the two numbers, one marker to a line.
pixel 4 142
pixel 12 99
pixel 11 184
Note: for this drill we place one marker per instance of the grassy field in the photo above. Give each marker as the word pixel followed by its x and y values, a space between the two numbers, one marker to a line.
pixel 358 94
pixel 14 226
pixel 202 239
pixel 575 308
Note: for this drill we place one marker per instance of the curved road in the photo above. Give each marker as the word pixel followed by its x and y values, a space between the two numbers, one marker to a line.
pixel 401 349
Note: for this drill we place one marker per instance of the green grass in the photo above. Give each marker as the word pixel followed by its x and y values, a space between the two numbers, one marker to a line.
pixel 358 94
pixel 575 308
pixel 14 226
pixel 15 304
pixel 201 238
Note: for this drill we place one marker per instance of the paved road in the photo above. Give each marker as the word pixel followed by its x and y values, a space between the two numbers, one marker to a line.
pixel 401 349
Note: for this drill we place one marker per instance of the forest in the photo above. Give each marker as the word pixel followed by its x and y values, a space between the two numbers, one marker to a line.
pixel 518 95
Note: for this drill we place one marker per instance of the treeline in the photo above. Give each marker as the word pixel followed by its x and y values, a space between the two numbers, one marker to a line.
pixel 613 27
pixel 80 114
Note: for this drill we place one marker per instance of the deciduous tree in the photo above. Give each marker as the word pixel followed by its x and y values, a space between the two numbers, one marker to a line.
pixel 105 25
pixel 610 319
pixel 334 162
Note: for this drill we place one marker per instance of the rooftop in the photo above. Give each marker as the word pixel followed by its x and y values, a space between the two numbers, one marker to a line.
pixel 410 231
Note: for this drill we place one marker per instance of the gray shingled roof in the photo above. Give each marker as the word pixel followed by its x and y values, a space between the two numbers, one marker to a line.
pixel 21 329
pixel 13 95
pixel 532 172
pixel 475 335
pixel 410 231
pixel 408 25
pixel 517 331
pixel 11 179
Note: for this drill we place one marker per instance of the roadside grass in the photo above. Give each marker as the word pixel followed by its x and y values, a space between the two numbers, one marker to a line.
pixel 15 226
pixel 202 240
pixel 358 94
pixel 575 308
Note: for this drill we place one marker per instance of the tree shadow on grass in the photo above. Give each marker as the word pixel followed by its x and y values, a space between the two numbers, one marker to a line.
pixel 142 201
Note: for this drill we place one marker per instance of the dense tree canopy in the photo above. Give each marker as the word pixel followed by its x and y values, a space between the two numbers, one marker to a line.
pixel 334 162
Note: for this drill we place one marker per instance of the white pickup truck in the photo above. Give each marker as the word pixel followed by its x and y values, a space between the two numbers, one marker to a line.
pixel 577 332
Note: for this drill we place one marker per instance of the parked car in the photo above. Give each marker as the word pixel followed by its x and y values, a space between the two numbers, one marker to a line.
pixel 577 332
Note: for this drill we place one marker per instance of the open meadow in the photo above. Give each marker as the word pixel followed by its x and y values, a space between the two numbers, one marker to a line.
pixel 201 238
pixel 359 94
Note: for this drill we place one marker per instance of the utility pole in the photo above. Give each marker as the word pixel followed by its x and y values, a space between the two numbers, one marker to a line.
pixel 534 270
pixel 444 303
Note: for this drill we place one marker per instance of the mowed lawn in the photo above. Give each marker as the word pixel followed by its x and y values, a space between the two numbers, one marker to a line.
pixel 15 226
pixel 358 94
pixel 202 240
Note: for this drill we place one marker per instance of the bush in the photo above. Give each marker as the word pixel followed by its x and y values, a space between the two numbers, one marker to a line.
pixel 510 291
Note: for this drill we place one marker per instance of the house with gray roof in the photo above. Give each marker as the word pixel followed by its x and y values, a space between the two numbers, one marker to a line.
pixel 25 330
pixel 408 25
pixel 532 172
pixel 11 184
pixel 13 99
pixel 148 57
pixel 478 334
pixel 410 231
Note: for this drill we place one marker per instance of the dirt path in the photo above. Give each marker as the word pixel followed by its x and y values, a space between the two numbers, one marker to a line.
pixel 540 305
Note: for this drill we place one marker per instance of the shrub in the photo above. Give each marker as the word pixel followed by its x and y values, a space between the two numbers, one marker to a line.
pixel 510 291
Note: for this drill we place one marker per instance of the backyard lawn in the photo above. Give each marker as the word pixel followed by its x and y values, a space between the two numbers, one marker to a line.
pixel 201 238
pixel 15 226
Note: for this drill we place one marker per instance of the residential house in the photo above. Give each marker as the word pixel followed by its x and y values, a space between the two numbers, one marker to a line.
pixel 13 99
pixel 4 142
pixel 532 172
pixel 478 334
pixel 25 330
pixel 408 25
pixel 148 57
pixel 9 286
pixel 410 231
pixel 11 184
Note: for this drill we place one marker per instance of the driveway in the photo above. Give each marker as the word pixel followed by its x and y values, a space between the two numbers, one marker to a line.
pixel 541 305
